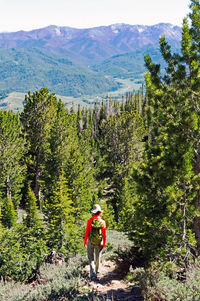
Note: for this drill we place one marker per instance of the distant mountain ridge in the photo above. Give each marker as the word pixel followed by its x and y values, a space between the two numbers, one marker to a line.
pixel 79 62
pixel 92 45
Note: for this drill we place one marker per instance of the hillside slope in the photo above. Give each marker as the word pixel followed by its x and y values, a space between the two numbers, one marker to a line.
pixel 22 70
pixel 129 65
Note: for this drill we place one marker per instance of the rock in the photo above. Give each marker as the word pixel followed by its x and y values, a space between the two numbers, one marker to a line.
pixel 55 258
pixel 136 290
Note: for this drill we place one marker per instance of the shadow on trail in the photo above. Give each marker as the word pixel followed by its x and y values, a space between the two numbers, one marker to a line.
pixel 111 286
pixel 120 295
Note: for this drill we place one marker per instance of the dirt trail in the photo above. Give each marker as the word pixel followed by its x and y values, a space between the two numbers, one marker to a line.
pixel 110 286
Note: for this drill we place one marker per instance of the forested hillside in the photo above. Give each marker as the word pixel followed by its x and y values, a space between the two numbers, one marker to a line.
pixel 139 159
pixel 131 65
pixel 29 69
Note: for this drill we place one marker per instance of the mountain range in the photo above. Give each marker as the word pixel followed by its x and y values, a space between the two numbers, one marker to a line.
pixel 75 62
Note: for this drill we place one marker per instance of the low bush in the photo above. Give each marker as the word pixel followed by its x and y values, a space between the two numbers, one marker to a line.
pixel 55 283
pixel 159 285
pixel 22 251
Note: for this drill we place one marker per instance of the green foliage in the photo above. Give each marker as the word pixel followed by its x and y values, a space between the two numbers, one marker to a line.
pixel 59 215
pixel 139 158
pixel 167 183
pixel 129 65
pixel 32 218
pixel 39 113
pixel 9 215
pixel 126 206
pixel 37 119
pixel 31 69
pixel 22 251
pixel 71 152
pixel 63 136
pixel 108 214
pixel 122 146
pixel 58 282
pixel 80 176
pixel 11 157
pixel 72 159
pixel 160 285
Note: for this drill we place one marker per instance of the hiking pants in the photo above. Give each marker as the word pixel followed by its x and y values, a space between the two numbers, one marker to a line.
pixel 94 256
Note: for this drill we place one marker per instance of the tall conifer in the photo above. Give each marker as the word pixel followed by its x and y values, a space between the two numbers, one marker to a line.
pixel 167 182
pixel 12 169
pixel 32 219
pixel 59 214
pixel 37 118
pixel 9 215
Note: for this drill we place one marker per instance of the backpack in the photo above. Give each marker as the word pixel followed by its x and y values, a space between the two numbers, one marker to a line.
pixel 95 234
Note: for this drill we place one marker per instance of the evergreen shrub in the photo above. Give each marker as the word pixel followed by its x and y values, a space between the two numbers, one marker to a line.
pixel 22 251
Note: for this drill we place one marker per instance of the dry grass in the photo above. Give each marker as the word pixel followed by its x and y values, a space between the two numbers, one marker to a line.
pixel 60 282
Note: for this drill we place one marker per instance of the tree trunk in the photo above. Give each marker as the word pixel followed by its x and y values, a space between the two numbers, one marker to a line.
pixel 197 207
pixel 8 188
pixel 37 180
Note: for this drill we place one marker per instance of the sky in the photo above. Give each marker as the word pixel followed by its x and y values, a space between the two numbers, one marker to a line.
pixel 32 14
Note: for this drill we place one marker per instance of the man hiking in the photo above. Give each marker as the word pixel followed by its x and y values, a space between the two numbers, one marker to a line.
pixel 95 239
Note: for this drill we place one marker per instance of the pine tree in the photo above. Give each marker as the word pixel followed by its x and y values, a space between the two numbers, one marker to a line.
pixel 32 219
pixel 167 182
pixel 70 151
pixel 126 203
pixel 37 118
pixel 79 119
pixel 79 173
pixel 62 137
pixel 12 150
pixel 9 215
pixel 121 145
pixel 59 214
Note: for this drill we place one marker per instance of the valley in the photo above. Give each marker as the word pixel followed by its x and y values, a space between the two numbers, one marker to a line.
pixel 14 101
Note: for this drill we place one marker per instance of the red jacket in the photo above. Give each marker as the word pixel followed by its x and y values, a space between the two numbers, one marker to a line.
pixel 88 229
